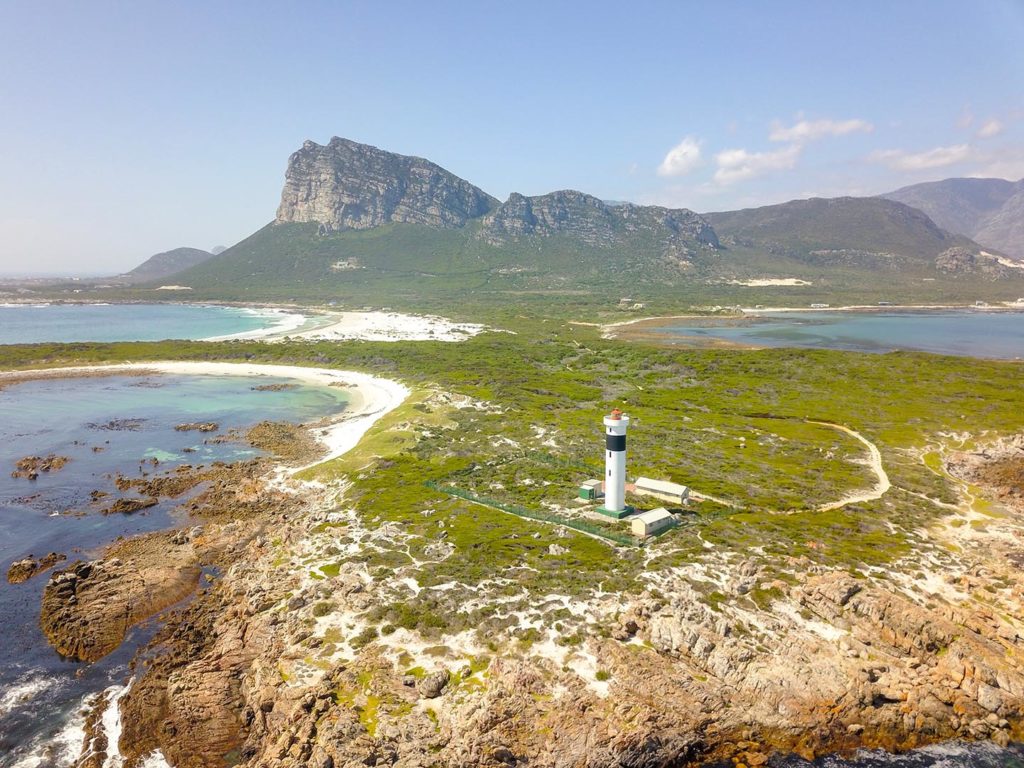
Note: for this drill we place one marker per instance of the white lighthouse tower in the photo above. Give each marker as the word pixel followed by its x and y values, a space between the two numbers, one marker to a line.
pixel 616 423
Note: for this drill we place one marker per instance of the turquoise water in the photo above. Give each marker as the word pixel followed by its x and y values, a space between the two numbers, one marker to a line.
pixel 31 324
pixel 976 334
pixel 40 693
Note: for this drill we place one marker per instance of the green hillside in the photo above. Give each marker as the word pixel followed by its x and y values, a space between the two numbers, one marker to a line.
pixel 813 230
pixel 455 271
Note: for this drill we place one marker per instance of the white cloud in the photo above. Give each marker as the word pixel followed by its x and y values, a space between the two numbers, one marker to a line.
pixel 990 128
pixel 939 157
pixel 681 159
pixel 738 164
pixel 812 130
pixel 1004 164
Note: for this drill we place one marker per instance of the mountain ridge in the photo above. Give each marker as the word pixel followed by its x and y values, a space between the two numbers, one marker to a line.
pixel 988 210
pixel 359 224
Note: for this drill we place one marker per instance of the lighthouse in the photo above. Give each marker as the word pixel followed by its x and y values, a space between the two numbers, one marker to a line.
pixel 616 423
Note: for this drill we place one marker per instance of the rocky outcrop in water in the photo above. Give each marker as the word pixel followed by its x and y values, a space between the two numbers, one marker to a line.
pixel 30 466
pixel 347 185
pixel 88 608
pixel 198 426
pixel 24 569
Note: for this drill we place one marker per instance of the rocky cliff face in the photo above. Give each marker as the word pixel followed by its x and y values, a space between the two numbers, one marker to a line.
pixel 347 185
pixel 568 212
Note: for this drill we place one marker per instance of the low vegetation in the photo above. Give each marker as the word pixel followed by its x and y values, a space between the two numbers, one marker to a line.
pixel 516 419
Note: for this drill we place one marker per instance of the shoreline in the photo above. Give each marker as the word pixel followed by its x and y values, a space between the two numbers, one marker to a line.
pixel 312 323
pixel 370 397
pixel 608 329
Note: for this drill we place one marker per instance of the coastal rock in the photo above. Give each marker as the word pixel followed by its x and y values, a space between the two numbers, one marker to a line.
pixel 832 662
pixel 30 466
pixel 998 467
pixel 129 506
pixel 199 426
pixel 88 607
pixel 24 569
pixel 347 185
pixel 433 685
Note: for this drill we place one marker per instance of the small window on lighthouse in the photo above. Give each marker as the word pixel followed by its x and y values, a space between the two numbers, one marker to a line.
pixel 609 454
pixel 609 473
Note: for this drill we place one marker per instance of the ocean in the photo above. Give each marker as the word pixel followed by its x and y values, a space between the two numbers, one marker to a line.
pixel 36 323
pixel 41 694
pixel 948 332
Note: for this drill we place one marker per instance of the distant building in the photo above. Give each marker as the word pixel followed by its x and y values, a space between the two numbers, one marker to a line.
pixel 662 489
pixel 819 306
pixel 591 490
pixel 652 522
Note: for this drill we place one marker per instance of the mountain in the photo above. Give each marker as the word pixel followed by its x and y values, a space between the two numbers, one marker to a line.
pixel 990 211
pixel 593 221
pixel 858 233
pixel 362 226
pixel 347 185
pixel 166 264
pixel 821 229
pixel 357 222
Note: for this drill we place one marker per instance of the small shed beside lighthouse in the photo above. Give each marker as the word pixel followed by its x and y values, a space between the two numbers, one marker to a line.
pixel 652 522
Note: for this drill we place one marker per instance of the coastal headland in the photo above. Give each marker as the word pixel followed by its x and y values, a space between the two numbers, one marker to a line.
pixel 843 584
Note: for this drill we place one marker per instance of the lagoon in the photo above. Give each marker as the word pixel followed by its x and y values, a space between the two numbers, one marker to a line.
pixel 991 334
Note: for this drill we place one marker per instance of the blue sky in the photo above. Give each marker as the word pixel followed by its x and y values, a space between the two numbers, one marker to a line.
pixel 131 128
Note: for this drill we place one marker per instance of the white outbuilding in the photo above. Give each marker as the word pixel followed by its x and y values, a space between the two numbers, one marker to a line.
pixel 652 522
pixel 662 489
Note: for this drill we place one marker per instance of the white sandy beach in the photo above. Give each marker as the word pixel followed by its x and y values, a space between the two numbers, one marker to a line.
pixel 370 397
pixel 391 326
pixel 358 326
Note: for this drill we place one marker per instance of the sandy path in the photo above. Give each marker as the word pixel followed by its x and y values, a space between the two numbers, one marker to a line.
pixel 874 462
pixel 370 397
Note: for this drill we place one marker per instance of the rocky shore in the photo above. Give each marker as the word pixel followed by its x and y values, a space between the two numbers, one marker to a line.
pixel 837 662
pixel 275 651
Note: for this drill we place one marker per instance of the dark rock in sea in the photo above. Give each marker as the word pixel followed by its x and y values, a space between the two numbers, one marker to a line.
pixel 198 426
pixel 30 466
pixel 118 425
pixel 128 506
pixel 24 569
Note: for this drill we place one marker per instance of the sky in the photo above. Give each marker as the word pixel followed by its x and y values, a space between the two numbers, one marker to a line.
pixel 129 128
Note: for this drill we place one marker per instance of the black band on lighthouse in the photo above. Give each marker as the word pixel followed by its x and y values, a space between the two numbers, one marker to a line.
pixel 615 442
